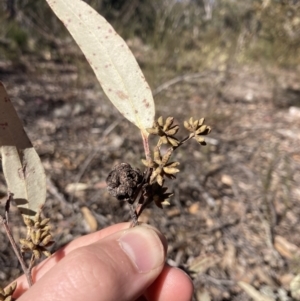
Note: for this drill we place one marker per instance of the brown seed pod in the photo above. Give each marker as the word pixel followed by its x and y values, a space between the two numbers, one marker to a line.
pixel 27 244
pixel 47 239
pixel 36 236
pixel 37 253
pixel 46 253
pixel 44 222
pixel 28 222
pixel 10 289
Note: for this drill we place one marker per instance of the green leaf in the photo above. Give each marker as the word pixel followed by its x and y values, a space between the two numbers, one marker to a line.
pixel 22 168
pixel 112 61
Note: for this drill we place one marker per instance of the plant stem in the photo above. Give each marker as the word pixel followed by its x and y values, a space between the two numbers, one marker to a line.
pixel 146 145
pixel 16 250
pixel 183 141
pixel 137 211
pixel 134 217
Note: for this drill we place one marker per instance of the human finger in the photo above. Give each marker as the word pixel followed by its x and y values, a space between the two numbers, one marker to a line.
pixel 52 261
pixel 118 267
pixel 171 284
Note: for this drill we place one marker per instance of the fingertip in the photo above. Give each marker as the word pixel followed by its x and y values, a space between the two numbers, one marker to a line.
pixel 172 284
pixel 144 247
pixel 163 239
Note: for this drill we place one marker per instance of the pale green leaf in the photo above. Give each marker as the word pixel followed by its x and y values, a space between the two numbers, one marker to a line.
pixel 112 61
pixel 22 168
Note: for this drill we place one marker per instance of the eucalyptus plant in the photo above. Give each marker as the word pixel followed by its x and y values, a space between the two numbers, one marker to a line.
pixel 125 86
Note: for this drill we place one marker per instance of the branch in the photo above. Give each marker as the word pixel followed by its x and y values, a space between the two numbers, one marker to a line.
pixel 4 222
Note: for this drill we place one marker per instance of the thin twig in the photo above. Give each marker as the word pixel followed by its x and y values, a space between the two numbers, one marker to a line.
pixel 216 281
pixel 178 79
pixel 91 156
pixel 140 207
pixel 184 140
pixel 134 217
pixel 136 199
pixel 7 205
pixel 52 188
pixel 4 222
pixel 44 32
pixel 31 264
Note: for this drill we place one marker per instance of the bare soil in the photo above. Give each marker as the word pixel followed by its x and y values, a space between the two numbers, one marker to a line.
pixel 235 212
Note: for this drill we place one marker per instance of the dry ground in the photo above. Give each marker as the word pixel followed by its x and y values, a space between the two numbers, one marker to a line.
pixel 235 211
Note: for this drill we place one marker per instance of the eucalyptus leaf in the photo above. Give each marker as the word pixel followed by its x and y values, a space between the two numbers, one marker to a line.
pixel 22 168
pixel 11 128
pixel 112 61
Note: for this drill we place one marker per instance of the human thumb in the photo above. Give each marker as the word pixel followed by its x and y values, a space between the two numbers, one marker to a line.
pixel 118 267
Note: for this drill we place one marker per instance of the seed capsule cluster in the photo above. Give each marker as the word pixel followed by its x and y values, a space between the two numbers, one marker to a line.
pixel 198 129
pixel 126 183
pixel 6 294
pixel 38 238
pixel 165 130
